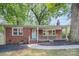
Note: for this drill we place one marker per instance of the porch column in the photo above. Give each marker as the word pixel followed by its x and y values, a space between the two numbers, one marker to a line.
pixel 37 34
pixel 66 33
pixel 29 39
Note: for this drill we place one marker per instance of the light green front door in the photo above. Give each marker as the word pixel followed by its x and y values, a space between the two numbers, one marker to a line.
pixel 34 36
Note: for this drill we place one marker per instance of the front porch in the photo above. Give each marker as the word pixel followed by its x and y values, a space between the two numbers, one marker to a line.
pixel 47 34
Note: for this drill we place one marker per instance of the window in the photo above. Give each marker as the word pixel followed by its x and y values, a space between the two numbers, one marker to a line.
pixel 45 32
pixel 54 32
pixel 17 31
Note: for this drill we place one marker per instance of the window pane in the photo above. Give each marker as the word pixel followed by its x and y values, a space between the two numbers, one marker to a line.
pixel 53 32
pixel 15 29
pixel 14 33
pixel 20 33
pixel 19 30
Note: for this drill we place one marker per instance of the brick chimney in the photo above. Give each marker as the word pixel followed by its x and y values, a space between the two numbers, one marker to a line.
pixel 58 30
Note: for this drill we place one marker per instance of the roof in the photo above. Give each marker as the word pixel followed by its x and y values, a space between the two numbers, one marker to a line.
pixel 35 26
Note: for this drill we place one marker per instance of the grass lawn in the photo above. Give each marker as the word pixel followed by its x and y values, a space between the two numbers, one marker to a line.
pixel 35 52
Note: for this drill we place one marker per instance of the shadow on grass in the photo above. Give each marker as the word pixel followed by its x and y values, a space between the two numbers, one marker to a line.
pixel 6 48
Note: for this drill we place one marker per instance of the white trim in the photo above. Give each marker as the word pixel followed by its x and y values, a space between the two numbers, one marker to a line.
pixel 47 35
pixel 17 31
pixel 29 39
pixel 37 34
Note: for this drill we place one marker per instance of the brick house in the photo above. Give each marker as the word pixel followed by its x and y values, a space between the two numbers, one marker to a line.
pixel 28 34
pixel 31 34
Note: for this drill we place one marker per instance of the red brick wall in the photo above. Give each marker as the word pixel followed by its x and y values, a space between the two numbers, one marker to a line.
pixel 25 38
pixel 15 39
pixel 58 34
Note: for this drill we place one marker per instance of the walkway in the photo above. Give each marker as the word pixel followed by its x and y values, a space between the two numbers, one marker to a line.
pixel 37 46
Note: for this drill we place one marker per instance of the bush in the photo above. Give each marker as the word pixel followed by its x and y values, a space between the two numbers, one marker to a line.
pixel 63 36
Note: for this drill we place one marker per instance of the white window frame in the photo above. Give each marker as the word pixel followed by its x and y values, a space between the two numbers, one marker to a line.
pixel 44 30
pixel 53 32
pixel 21 30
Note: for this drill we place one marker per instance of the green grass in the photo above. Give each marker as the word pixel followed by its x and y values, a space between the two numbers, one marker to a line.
pixel 35 52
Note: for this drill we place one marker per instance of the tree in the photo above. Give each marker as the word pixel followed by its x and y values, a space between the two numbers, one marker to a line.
pixel 58 9
pixel 44 12
pixel 17 14
pixel 41 13
pixel 14 13
pixel 74 30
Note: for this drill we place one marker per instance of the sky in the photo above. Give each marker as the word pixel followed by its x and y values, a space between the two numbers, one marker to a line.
pixel 63 20
pixel 2 21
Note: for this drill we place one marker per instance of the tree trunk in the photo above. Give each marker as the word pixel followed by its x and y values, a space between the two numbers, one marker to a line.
pixel 39 22
pixel 74 32
pixel 17 22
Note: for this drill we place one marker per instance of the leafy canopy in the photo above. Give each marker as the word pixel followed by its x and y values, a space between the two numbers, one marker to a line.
pixel 17 14
pixel 14 13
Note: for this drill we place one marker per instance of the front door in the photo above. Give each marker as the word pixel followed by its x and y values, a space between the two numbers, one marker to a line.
pixel 34 36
